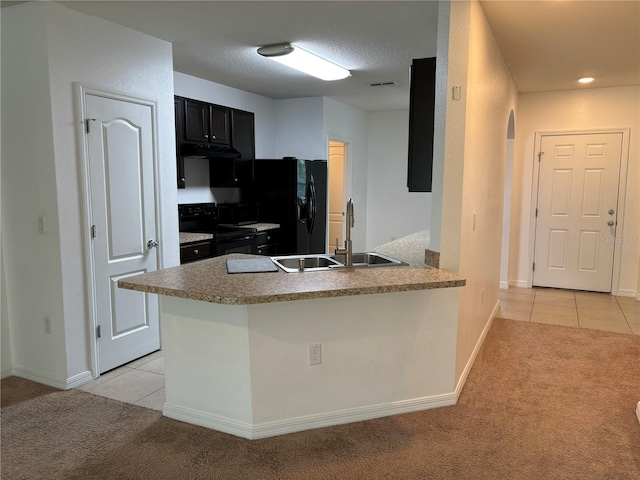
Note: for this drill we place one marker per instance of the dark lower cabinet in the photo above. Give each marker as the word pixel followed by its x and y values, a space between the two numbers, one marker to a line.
pixel 421 123
pixel 266 243
pixel 191 252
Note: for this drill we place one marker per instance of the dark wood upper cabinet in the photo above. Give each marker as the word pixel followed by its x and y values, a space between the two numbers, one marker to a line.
pixel 243 133
pixel 421 123
pixel 200 122
pixel 178 104
pixel 206 123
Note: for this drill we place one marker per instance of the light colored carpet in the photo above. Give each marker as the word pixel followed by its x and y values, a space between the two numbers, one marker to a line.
pixel 541 402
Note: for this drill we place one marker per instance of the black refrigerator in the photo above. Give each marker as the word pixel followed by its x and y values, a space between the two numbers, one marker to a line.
pixel 293 193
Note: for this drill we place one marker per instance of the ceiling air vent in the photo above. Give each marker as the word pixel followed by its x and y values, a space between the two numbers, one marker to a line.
pixel 384 84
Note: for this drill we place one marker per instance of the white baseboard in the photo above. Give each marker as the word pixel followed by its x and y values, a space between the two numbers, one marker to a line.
pixel 627 293
pixel 60 383
pixel 79 379
pixel 519 283
pixel 504 285
pixel 476 349
pixel 6 372
pixel 298 424
pixel 638 411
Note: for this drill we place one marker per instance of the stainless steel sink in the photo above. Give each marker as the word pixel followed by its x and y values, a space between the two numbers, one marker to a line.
pixel 369 259
pixel 299 263
pixel 320 262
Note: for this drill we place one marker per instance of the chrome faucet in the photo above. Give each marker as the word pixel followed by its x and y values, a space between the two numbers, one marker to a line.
pixel 347 251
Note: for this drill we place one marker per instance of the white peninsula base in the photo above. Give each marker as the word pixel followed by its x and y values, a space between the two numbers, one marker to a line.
pixel 244 369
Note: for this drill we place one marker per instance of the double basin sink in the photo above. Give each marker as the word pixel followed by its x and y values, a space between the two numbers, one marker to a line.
pixel 319 262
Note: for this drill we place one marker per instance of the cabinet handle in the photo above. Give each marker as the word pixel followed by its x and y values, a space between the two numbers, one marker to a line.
pixel 206 136
pixel 182 180
pixel 196 251
pixel 213 137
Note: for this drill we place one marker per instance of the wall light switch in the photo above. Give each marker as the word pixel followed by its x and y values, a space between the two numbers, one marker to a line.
pixel 456 93
pixel 42 227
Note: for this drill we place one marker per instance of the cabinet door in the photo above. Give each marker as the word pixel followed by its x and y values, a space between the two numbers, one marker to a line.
pixel 243 134
pixel 421 122
pixel 219 125
pixel 178 104
pixel 197 121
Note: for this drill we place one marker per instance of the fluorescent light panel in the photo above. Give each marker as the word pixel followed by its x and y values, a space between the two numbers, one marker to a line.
pixel 304 61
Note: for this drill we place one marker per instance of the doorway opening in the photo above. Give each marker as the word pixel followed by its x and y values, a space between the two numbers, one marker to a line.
pixel 338 191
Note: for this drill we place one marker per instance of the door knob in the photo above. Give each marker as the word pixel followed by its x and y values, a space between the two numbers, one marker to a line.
pixel 610 223
pixel 152 243
pixel 612 211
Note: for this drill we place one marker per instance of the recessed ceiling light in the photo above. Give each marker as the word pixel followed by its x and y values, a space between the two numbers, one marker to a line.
pixel 586 79
pixel 304 61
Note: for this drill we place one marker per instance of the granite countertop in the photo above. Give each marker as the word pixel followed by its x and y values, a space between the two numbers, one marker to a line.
pixel 409 249
pixel 208 280
pixel 188 237
pixel 261 227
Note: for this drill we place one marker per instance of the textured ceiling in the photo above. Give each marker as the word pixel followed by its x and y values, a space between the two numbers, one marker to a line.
pixel 547 45
pixel 218 41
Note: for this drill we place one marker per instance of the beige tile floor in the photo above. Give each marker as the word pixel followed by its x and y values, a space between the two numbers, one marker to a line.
pixel 141 382
pixel 599 311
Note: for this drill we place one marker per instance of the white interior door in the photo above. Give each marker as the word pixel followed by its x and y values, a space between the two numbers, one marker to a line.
pixel 120 168
pixel 336 193
pixel 577 211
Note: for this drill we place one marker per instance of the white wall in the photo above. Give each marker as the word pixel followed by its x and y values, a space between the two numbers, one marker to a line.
pixel 349 124
pixel 32 274
pixel 46 273
pixel 394 211
pixel 576 110
pixel 473 172
pixel 299 127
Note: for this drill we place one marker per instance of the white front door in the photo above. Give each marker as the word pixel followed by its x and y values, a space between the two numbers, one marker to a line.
pixel 577 211
pixel 121 182
pixel 337 202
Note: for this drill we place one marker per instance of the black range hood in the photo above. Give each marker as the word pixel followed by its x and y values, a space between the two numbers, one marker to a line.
pixel 208 151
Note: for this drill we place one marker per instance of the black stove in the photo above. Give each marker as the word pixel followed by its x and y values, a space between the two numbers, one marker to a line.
pixel 203 218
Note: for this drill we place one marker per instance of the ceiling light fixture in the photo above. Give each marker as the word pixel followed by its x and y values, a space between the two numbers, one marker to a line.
pixel 586 79
pixel 304 61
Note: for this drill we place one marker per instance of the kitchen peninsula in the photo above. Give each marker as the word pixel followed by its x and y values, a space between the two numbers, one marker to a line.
pixel 237 346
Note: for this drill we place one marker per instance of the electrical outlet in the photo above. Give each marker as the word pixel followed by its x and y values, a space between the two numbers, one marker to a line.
pixel 47 324
pixel 42 226
pixel 315 354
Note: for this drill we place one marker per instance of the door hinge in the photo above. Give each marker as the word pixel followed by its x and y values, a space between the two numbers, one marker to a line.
pixel 540 156
pixel 534 266
pixel 94 231
pixel 88 124
pixel 98 332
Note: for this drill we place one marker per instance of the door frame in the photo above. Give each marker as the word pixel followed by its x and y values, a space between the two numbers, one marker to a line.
pixel 80 92
pixel 622 189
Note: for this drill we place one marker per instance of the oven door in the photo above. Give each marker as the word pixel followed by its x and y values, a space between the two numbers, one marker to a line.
pixel 235 244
